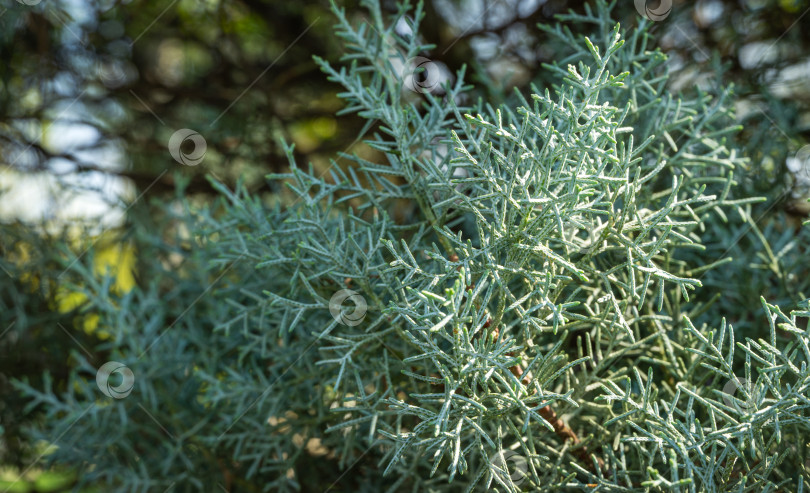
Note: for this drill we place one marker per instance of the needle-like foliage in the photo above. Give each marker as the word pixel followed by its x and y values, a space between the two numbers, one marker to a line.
pixel 523 279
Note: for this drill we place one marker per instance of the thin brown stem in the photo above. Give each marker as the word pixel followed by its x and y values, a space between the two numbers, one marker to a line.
pixel 561 429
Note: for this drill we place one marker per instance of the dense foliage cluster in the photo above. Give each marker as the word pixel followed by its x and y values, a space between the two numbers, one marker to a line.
pixel 522 296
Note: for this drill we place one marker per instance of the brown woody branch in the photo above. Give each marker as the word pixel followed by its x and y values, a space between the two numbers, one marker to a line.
pixel 560 428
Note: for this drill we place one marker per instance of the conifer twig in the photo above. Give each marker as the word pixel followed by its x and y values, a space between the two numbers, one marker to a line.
pixel 561 429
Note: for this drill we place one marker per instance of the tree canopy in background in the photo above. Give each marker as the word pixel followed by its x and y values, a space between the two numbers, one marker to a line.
pixel 126 124
pixel 123 76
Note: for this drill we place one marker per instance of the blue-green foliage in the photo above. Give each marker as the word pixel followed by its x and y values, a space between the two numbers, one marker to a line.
pixel 513 260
